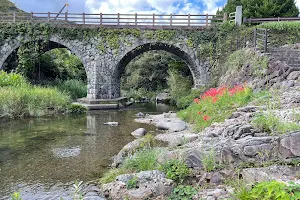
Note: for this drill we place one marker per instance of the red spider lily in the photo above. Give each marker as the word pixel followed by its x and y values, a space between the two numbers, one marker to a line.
pixel 206 118
pixel 214 100
pixel 199 113
pixel 236 89
pixel 197 100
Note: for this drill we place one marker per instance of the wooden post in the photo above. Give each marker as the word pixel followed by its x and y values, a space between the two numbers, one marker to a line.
pixel 206 20
pixel 266 41
pixel 153 22
pixel 254 38
pixel 118 19
pixel 171 20
pixel 48 16
pixel 135 19
pixel 189 20
pixel 225 17
pixel 101 19
pixel 83 18
pixel 66 16
pixel 31 16
pixel 14 17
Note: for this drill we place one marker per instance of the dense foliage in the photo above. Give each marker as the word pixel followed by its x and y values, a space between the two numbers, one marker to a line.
pixel 263 8
pixel 18 98
pixel 8 6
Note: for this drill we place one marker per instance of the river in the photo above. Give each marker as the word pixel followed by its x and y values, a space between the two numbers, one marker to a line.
pixel 41 158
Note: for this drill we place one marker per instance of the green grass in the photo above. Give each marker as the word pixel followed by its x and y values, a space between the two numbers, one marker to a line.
pixel 143 160
pixel 295 25
pixel 209 161
pixel 75 88
pixel 18 98
pixel 273 125
pixel 214 112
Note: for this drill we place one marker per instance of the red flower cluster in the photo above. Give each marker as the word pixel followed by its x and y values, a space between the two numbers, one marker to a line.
pixel 215 93
pixel 236 89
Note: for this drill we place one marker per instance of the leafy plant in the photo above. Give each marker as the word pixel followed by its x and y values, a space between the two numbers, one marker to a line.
pixel 209 161
pixel 176 170
pixel 78 185
pixel 16 196
pixel 183 192
pixel 132 183
pixel 143 160
pixel 111 175
pixel 77 109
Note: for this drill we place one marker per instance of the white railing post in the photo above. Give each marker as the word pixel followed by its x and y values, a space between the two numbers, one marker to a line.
pixel 238 15
pixel 83 18
pixel 118 19
pixel 189 20
pixel 135 19
pixel 171 19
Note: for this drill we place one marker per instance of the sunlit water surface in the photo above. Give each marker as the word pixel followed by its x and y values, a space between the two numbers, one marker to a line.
pixel 41 158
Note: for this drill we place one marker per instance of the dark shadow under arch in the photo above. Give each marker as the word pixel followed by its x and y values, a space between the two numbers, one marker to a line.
pixel 156 46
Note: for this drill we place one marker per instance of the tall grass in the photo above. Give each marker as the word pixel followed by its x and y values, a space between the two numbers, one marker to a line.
pixel 18 98
pixel 75 88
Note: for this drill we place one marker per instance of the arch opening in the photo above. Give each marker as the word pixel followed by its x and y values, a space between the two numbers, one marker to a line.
pixel 54 65
pixel 155 68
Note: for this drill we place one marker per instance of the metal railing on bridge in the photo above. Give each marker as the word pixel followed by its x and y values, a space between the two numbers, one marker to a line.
pixel 118 20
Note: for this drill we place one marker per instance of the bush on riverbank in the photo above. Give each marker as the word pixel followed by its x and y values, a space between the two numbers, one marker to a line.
pixel 18 98
pixel 75 88
pixel 215 105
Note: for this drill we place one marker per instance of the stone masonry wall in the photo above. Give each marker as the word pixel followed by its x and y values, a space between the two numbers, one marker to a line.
pixel 104 69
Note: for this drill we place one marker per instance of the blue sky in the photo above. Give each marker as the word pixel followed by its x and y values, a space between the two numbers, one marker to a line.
pixel 124 6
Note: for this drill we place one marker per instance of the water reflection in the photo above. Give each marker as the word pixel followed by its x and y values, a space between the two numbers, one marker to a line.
pixel 41 155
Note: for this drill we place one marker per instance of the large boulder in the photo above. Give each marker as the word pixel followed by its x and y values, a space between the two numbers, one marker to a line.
pixel 139 132
pixel 275 172
pixel 174 125
pixel 149 185
pixel 177 139
pixel 289 146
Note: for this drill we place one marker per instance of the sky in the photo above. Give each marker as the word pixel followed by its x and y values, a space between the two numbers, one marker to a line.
pixel 124 6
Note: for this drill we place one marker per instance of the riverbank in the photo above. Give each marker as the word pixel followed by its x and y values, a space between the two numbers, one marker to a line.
pixel 224 158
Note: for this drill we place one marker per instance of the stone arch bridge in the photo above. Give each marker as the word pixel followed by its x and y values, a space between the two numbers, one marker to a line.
pixel 106 52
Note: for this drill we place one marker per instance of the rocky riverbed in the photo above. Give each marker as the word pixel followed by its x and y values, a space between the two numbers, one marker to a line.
pixel 237 143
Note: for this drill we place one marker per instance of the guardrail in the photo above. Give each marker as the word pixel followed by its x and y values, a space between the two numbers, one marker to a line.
pixel 274 19
pixel 117 20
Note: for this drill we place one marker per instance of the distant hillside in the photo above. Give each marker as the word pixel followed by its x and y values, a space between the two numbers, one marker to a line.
pixel 8 6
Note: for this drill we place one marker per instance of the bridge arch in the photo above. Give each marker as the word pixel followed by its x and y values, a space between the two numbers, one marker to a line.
pixel 54 42
pixel 130 55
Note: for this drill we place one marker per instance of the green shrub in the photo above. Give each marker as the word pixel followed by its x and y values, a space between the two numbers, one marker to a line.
pixel 76 109
pixel 143 160
pixel 12 79
pixel 183 192
pixel 271 124
pixel 75 88
pixel 176 170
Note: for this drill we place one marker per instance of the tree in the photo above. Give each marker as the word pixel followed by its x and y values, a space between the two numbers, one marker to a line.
pixel 263 8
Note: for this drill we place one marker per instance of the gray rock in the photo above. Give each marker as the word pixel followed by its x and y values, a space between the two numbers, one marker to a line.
pixel 177 139
pixel 293 75
pixel 289 146
pixel 111 123
pixel 172 125
pixel 151 184
pixel 284 173
pixel 139 132
pixel 139 115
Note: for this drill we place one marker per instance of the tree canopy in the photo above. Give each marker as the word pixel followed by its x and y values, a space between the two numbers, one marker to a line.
pixel 263 8
pixel 8 6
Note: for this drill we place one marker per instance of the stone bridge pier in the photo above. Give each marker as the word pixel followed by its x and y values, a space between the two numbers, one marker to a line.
pixel 104 64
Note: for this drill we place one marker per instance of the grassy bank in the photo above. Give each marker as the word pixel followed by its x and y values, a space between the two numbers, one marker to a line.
pixel 18 98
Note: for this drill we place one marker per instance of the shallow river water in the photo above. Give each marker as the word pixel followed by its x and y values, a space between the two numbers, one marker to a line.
pixel 42 157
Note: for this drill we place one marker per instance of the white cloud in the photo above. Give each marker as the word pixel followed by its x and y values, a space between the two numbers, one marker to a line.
pixel 143 6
